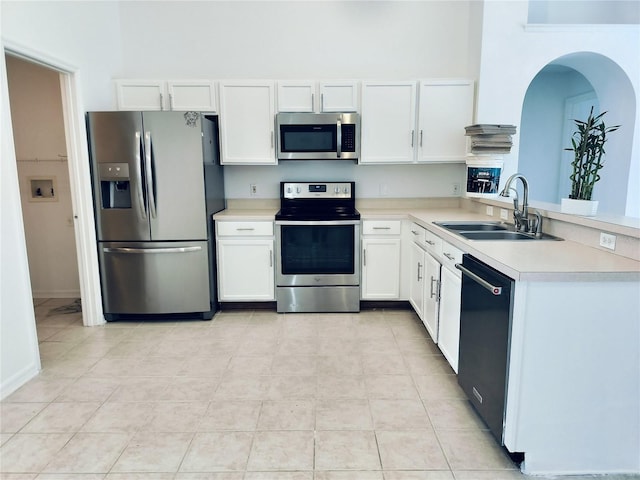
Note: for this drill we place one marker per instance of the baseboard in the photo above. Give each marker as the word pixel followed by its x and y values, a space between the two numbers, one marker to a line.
pixel 18 380
pixel 364 305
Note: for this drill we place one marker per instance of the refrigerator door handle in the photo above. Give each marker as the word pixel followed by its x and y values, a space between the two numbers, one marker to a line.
pixel 149 174
pixel 151 250
pixel 138 173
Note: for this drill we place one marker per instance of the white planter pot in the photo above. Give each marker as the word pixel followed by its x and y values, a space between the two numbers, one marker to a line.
pixel 587 208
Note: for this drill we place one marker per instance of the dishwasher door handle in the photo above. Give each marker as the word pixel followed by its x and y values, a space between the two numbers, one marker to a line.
pixel 492 288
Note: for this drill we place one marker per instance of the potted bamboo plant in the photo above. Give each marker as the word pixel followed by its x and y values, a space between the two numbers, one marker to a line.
pixel 587 145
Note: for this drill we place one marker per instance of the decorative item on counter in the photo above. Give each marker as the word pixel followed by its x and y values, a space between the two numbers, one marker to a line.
pixel 587 143
pixel 490 138
pixel 483 176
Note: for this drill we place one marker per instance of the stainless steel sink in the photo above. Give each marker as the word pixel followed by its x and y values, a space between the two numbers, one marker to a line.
pixel 498 235
pixel 490 231
pixel 473 226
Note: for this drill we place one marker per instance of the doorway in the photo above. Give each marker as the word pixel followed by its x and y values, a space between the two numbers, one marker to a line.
pixel 43 175
pixel 78 176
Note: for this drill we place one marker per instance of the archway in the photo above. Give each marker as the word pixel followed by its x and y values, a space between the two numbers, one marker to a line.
pixel 559 93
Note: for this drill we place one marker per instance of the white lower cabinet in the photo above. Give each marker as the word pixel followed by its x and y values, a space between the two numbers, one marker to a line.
pixel 431 296
pixel 245 261
pixel 381 260
pixel 450 289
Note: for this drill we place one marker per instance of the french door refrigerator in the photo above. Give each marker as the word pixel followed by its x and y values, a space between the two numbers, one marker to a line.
pixel 156 183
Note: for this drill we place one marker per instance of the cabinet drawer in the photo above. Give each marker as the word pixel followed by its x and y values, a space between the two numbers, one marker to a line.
pixel 244 229
pixel 433 243
pixel 381 227
pixel 418 234
pixel 451 255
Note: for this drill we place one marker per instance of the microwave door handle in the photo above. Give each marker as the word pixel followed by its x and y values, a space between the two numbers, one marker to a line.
pixel 339 137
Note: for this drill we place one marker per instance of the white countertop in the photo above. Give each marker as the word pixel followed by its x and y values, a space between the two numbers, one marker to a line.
pixel 543 260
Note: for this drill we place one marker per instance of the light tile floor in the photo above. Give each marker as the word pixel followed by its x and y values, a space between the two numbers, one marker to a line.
pixel 250 395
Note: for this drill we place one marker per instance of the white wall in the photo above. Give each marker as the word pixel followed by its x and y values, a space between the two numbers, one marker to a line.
pixel 19 357
pixel 38 129
pixel 294 39
pixel 615 78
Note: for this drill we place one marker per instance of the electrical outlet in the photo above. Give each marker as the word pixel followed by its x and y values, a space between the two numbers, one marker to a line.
pixel 607 241
pixel 490 210
pixel 253 189
pixel 504 214
pixel 455 189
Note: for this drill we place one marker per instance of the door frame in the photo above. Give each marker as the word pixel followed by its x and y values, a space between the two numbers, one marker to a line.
pixel 79 178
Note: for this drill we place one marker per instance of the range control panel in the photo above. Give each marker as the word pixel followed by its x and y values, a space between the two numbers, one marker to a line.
pixel 331 190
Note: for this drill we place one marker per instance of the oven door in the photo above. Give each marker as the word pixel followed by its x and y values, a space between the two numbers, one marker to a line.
pixel 318 253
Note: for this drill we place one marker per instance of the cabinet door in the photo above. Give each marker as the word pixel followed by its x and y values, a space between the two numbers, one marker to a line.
pixel 245 269
pixel 381 268
pixel 198 95
pixel 431 296
pixel 446 107
pixel 339 96
pixel 388 122
pixel 247 120
pixel 140 94
pixel 449 331
pixel 296 97
pixel 416 285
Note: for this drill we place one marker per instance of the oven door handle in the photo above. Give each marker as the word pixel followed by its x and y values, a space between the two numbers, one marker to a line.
pixel 320 223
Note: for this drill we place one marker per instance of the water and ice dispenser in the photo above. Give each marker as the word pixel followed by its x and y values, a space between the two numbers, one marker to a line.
pixel 115 185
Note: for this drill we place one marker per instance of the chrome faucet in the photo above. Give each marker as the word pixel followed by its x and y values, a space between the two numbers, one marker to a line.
pixel 521 216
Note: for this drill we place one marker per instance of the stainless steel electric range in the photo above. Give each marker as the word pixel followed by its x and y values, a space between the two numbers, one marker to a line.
pixel 317 248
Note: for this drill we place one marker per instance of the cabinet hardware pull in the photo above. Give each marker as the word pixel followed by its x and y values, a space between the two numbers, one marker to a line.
pixel 364 257
pixel 419 267
pixel 414 232
pixel 433 279
pixel 382 228
pixel 161 102
pixel 245 229
pixel 313 95
pixel 412 135
pixel 170 101
pixel 449 256
pixel 421 138
pixel 270 258
pixel 430 242
pixel 271 138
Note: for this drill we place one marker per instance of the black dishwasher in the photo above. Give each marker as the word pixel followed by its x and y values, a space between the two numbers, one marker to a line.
pixel 485 332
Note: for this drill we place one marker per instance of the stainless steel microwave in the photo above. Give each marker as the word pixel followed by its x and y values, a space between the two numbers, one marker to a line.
pixel 318 136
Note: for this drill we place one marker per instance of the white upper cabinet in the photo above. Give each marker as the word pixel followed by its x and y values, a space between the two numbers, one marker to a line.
pixel 388 122
pixel 199 95
pixel 140 94
pixel 446 107
pixel 247 122
pixel 309 96
pixel 339 96
pixel 297 96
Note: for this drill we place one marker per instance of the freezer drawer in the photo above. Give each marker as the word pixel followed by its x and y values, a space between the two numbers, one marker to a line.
pixel 154 277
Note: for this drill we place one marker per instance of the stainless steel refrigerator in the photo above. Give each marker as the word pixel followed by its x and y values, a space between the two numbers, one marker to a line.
pixel 156 183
